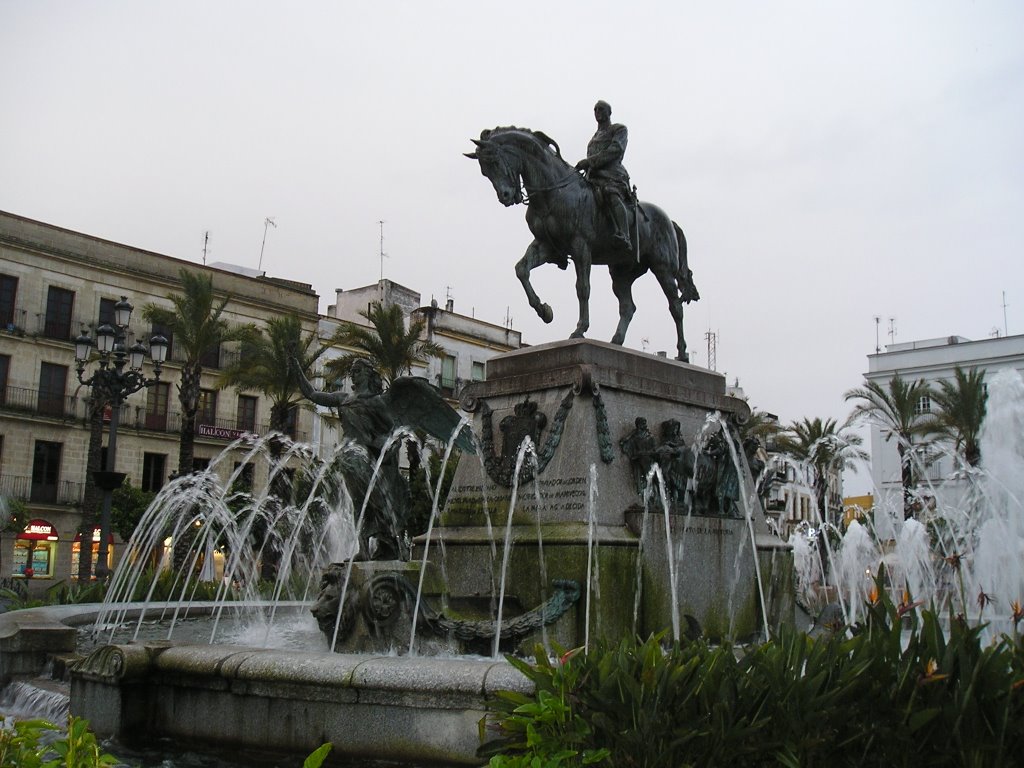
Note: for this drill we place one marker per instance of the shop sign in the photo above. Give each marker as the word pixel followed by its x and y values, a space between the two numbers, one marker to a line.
pixel 39 530
pixel 222 433
pixel 95 536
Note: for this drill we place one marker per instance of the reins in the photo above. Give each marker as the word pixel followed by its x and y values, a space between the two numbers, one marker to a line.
pixel 540 190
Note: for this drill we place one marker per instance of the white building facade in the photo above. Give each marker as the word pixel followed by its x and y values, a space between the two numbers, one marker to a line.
pixel 931 360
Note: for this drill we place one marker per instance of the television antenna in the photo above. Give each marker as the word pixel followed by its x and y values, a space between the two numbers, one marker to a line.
pixel 267 222
pixel 206 242
pixel 382 254
pixel 878 345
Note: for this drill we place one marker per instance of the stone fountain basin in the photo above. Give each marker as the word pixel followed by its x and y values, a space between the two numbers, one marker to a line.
pixel 374 707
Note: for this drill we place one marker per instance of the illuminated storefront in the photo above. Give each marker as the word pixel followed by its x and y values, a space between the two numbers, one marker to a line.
pixel 76 548
pixel 35 550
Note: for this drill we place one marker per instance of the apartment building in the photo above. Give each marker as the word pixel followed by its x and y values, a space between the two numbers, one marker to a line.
pixel 53 284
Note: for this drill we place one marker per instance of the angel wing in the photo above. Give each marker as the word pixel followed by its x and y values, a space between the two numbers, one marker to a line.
pixel 415 402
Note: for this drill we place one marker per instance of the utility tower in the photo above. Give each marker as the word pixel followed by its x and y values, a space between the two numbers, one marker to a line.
pixel 712 339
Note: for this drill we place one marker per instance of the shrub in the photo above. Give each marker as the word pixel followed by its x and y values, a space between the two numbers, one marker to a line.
pixel 894 691
pixel 27 745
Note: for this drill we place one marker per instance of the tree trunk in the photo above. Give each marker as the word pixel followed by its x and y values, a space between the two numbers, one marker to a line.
pixel 907 480
pixel 188 397
pixel 93 495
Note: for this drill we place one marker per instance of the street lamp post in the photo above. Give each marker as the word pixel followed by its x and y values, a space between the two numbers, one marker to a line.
pixel 111 383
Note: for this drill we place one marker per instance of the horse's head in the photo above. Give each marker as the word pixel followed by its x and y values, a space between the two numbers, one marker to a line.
pixel 499 164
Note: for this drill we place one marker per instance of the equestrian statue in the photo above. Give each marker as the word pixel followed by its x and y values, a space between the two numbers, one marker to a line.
pixel 589 214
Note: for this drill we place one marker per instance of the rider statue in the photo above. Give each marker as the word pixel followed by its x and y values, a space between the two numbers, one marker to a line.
pixel 603 165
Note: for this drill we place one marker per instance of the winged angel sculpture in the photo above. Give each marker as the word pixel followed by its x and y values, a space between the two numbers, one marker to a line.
pixel 369 417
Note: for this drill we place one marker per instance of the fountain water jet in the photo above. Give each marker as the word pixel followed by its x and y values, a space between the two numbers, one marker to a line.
pixel 593 394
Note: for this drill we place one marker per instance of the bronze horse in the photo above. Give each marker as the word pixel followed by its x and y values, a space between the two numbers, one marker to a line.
pixel 566 222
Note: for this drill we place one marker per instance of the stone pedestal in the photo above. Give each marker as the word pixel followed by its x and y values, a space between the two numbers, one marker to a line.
pixel 580 403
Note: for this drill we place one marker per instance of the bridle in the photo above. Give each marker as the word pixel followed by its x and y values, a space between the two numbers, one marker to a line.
pixel 524 195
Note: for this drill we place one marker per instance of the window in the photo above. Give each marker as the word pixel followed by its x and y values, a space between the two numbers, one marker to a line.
pixel 478 371
pixel 448 372
pixel 199 465
pixel 291 422
pixel 246 413
pixel 211 357
pixel 5 369
pixel 156 406
pixel 207 413
pixel 923 405
pixel 8 294
pixel 107 315
pixel 53 381
pixel 59 303
pixel 45 472
pixel 154 471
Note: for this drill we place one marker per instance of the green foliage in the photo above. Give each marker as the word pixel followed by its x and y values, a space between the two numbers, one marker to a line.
pixel 421 499
pixel 13 515
pixel 389 346
pixel 64 593
pixel 896 691
pixel 127 505
pixel 316 759
pixel 961 411
pixel 28 745
pixel 14 600
pixel 265 365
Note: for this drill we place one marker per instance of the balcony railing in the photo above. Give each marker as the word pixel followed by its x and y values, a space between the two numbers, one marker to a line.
pixel 22 488
pixel 15 321
pixel 36 403
pixel 223 359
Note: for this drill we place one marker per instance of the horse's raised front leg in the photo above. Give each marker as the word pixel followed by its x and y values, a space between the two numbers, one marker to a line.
pixel 533 258
pixel 581 259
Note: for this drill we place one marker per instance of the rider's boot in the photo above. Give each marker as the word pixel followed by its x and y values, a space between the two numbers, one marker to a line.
pixel 620 221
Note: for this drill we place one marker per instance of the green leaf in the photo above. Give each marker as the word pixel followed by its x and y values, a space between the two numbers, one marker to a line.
pixel 316 759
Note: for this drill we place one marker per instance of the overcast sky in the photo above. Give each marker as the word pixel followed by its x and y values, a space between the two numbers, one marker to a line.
pixel 829 162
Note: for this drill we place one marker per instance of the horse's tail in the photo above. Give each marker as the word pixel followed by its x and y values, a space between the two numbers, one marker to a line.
pixel 684 277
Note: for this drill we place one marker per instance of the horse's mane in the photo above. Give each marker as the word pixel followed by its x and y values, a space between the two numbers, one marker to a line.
pixel 541 141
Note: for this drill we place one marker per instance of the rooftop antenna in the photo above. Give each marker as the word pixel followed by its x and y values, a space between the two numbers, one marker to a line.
pixel 382 254
pixel 892 330
pixel 206 242
pixel 712 339
pixel 267 222
pixel 645 342
pixel 878 345
pixel 1006 329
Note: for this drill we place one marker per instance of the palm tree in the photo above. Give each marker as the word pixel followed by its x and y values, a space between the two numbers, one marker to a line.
pixel 388 345
pixel 896 409
pixel 824 446
pixel 198 328
pixel 265 365
pixel 961 411
pixel 762 425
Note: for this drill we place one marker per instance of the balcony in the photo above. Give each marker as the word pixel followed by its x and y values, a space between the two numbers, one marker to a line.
pixel 15 321
pixel 33 402
pixel 64 492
